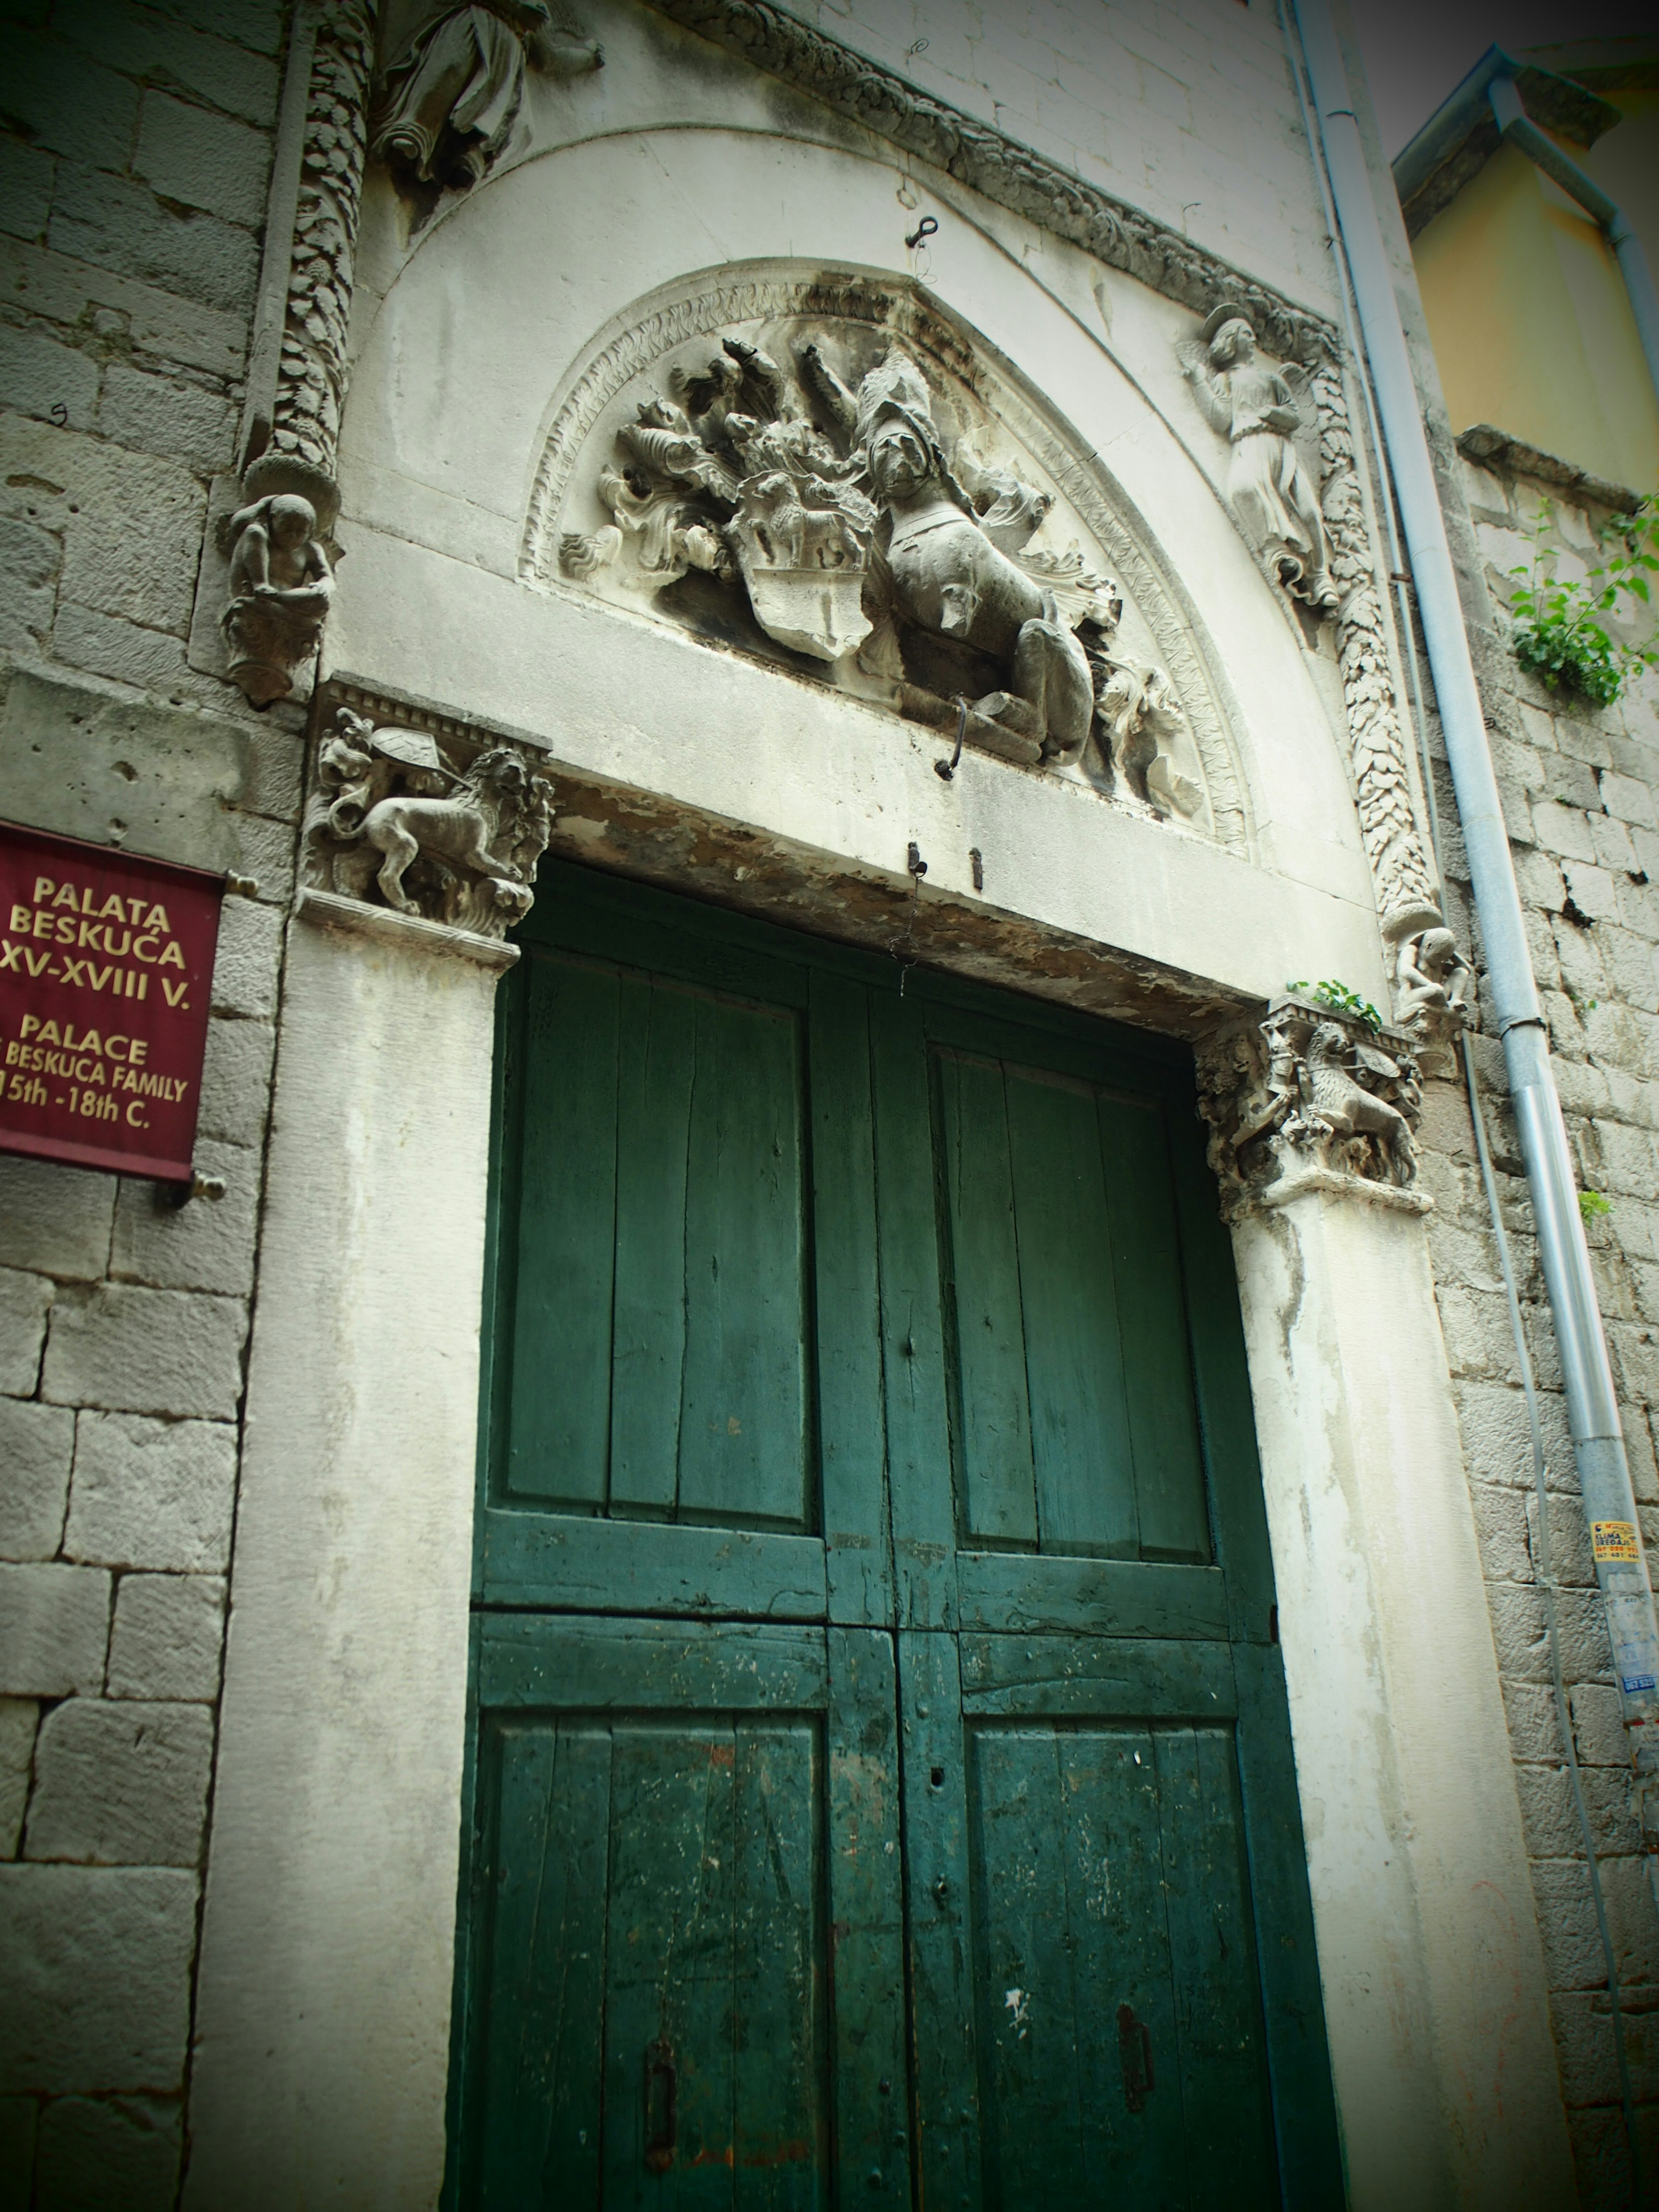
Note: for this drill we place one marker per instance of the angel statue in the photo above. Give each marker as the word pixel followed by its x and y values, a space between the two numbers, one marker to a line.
pixel 448 106
pixel 1255 409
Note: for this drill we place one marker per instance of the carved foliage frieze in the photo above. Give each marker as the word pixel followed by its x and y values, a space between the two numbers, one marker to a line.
pixel 448 832
pixel 1311 1099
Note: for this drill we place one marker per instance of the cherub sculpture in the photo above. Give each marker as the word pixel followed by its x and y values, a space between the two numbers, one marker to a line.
pixel 1255 409
pixel 281 585
pixel 448 106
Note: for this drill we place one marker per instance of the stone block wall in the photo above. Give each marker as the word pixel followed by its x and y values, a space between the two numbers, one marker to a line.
pixel 1581 795
pixel 134 142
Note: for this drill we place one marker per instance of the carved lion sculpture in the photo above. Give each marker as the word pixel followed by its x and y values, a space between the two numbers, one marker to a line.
pixel 464 831
pixel 1347 1109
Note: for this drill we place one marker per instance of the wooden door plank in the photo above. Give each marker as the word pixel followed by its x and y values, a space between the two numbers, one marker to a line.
pixel 585 1565
pixel 1033 2019
pixel 606 918
pixel 1090 1597
pixel 1097 1677
pixel 924 1520
pixel 1110 1814
pixel 1304 2113
pixel 999 1481
pixel 1226 1410
pixel 670 1967
pixel 1079 1425
pixel 1069 1924
pixel 1227 2115
pixel 559 1441
pixel 866 1914
pixel 744 1443
pixel 656 1060
pixel 945 2110
pixel 851 1443
pixel 541 2116
pixel 779 2034
pixel 1170 1505
pixel 599 1665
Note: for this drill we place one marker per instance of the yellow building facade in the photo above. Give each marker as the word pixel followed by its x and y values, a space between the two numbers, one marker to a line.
pixel 1532 324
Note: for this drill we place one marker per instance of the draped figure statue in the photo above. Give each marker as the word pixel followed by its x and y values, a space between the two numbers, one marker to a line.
pixel 1255 408
pixel 448 106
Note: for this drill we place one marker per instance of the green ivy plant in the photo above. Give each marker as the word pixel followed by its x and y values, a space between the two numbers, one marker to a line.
pixel 1341 1001
pixel 1566 632
pixel 1593 1205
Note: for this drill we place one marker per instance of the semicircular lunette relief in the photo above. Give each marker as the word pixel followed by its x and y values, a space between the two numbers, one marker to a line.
pixel 825 471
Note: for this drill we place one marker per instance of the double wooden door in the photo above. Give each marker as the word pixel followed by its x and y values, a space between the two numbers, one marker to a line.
pixel 881 1789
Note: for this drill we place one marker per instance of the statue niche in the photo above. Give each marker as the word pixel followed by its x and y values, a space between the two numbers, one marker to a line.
pixel 810 499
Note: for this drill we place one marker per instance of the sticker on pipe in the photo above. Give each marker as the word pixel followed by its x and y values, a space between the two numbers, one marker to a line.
pixel 106 968
pixel 1614 1540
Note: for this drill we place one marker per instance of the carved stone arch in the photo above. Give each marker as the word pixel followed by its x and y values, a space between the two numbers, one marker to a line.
pixel 704 305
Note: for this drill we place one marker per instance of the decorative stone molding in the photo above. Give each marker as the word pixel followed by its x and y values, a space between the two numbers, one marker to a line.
pixel 1310 1099
pixel 1408 898
pixel 394 825
pixel 311 376
pixel 267 574
pixel 326 910
pixel 998 167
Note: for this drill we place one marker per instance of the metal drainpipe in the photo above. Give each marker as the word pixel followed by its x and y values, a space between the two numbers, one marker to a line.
pixel 1522 132
pixel 1512 993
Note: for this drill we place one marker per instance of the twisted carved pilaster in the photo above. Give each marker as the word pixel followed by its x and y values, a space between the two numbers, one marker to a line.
pixel 1407 896
pixel 312 378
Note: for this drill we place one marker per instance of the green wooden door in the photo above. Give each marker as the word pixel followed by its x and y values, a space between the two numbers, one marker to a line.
pixel 880 1786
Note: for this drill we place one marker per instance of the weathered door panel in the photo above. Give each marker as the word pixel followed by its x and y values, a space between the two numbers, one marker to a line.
pixel 687 1985
pixel 882 1790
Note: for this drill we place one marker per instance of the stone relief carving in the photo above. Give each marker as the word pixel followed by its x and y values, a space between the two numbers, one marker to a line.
pixel 809 484
pixel 311 379
pixel 281 583
pixel 1434 995
pixel 274 540
pixel 1407 897
pixel 390 822
pixel 448 103
pixel 1256 409
pixel 1310 1099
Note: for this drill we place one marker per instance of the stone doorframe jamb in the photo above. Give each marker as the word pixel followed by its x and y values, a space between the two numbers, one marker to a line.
pixel 323 2011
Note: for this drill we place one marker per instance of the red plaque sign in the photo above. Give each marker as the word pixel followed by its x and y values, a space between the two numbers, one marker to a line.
pixel 105 967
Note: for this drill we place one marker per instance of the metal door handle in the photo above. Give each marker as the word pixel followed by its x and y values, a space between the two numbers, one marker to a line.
pixel 661 2097
pixel 1134 2055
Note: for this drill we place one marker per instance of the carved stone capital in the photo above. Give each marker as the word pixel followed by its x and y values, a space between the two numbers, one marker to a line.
pixel 405 823
pixel 1311 1100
